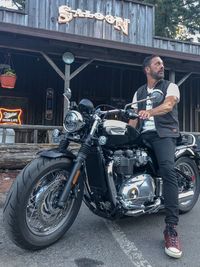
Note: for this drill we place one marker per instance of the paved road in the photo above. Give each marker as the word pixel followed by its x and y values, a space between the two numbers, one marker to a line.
pixel 93 242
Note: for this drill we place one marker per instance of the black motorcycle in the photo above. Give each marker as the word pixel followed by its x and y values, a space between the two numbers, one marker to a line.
pixel 111 171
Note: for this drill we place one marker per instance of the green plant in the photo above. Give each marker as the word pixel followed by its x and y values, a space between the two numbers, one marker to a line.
pixel 9 71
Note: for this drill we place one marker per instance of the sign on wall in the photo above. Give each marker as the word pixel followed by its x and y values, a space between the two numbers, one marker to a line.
pixel 10 116
pixel 49 104
pixel 67 14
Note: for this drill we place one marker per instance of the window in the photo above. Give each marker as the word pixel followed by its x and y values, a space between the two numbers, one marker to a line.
pixel 14 5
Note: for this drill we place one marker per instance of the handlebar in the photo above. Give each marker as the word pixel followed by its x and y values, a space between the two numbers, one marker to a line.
pixel 156 97
pixel 112 111
pixel 128 113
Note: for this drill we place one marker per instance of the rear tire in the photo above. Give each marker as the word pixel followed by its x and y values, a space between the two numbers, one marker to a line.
pixel 188 166
pixel 31 217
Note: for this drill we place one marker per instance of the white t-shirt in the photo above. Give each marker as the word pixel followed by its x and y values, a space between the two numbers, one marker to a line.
pixel 149 124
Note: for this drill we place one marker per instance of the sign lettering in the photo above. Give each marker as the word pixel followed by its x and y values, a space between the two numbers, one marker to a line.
pixel 10 116
pixel 66 14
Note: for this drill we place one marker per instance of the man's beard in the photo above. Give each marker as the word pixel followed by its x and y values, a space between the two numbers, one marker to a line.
pixel 157 76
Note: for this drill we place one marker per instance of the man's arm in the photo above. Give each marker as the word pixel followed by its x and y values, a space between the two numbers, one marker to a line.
pixel 164 108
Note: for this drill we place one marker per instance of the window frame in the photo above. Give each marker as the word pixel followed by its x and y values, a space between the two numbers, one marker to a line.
pixel 20 11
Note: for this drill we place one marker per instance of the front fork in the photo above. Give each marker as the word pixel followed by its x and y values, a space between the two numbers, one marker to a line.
pixel 82 155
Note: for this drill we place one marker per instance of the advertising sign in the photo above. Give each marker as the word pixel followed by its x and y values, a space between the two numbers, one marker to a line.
pixel 10 116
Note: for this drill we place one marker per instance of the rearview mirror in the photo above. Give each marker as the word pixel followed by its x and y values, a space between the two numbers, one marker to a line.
pixel 86 105
pixel 156 96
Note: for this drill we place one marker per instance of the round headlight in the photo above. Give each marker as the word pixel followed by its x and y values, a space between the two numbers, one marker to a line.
pixel 73 121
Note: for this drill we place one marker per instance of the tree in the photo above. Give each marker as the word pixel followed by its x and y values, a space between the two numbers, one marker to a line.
pixel 191 17
pixel 173 15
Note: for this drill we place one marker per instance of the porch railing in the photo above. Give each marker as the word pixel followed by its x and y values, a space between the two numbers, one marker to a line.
pixel 26 133
pixel 39 133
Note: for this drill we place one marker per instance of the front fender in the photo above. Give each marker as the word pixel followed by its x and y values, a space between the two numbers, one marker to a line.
pixel 55 153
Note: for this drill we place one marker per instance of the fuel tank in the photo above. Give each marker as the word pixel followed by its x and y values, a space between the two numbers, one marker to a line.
pixel 119 133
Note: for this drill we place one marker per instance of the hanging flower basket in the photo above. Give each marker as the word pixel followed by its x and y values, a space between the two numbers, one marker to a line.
pixel 8 79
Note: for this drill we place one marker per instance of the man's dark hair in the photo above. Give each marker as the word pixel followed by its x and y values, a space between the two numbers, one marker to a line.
pixel 147 61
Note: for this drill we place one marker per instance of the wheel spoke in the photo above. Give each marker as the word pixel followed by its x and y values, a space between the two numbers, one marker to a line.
pixel 42 215
pixel 188 170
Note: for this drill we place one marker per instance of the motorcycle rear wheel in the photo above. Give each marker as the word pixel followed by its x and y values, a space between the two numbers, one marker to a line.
pixel 31 217
pixel 188 166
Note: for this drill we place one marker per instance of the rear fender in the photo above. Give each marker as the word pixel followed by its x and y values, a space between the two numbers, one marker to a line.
pixel 188 152
pixel 55 153
pixel 185 151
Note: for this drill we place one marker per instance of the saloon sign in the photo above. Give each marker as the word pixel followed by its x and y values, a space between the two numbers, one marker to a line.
pixel 66 14
pixel 10 116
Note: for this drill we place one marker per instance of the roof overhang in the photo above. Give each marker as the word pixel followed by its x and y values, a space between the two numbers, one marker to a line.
pixel 56 43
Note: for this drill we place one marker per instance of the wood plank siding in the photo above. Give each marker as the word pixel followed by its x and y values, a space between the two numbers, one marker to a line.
pixel 44 15
pixel 116 55
pixel 175 45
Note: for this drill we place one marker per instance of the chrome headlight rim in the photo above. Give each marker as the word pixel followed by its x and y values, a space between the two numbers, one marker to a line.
pixel 73 121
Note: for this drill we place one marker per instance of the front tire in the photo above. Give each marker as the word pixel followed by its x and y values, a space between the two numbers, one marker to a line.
pixel 188 167
pixel 31 217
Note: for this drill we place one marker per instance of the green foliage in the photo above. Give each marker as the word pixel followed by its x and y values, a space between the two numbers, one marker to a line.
pixel 171 14
pixel 9 71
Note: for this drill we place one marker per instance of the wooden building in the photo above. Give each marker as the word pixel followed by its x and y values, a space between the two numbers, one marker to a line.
pixel 109 40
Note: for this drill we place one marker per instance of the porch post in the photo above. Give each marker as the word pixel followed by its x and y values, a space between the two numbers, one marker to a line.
pixel 172 76
pixel 66 86
pixel 68 59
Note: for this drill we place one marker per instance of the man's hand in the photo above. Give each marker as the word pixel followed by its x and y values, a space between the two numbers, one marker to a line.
pixel 144 114
pixel 164 108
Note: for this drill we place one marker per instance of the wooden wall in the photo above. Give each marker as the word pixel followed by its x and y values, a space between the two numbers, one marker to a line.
pixel 44 14
pixel 189 106
pixel 175 45
pixel 100 82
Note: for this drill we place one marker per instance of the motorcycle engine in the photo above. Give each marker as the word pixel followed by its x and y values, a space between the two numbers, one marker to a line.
pixel 134 190
pixel 137 191
pixel 124 162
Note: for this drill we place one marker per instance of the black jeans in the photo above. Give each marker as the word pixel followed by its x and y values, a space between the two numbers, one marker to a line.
pixel 164 149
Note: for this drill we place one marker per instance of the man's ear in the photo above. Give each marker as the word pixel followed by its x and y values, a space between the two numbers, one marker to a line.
pixel 147 69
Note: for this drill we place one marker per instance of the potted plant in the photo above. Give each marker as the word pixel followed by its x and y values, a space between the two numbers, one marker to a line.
pixel 8 78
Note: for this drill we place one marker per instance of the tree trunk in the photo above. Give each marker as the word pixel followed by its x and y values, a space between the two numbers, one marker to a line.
pixel 17 156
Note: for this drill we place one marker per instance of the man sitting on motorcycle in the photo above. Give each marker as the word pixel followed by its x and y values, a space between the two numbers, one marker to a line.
pixel 160 127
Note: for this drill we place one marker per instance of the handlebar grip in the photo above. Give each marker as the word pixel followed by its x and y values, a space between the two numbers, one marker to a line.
pixel 131 114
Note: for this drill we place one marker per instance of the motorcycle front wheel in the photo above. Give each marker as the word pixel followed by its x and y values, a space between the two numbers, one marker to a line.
pixel 189 168
pixel 32 218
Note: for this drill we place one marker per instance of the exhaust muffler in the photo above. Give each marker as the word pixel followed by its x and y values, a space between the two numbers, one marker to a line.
pixel 185 196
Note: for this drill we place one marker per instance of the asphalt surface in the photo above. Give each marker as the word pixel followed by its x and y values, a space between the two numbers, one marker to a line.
pixel 93 241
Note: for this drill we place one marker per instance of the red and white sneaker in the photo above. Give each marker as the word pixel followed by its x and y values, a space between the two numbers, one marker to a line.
pixel 172 243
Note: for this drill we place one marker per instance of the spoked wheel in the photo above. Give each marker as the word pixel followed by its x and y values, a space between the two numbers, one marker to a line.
pixel 189 195
pixel 43 217
pixel 32 218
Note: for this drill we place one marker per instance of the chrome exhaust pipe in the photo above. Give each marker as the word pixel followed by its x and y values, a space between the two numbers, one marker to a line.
pixel 149 209
pixel 185 196
pixel 135 212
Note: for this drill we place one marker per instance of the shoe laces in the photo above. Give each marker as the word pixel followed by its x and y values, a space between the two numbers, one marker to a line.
pixel 172 233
